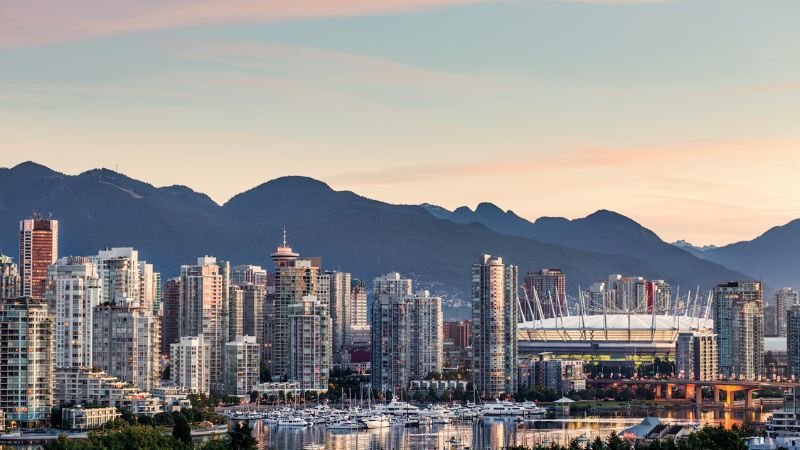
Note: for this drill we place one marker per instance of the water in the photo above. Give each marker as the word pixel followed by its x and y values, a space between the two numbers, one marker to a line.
pixel 494 433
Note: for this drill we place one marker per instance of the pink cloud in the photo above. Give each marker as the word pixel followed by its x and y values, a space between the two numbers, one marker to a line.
pixel 37 22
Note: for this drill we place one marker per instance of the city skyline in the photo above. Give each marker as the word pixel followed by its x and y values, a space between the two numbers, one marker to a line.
pixel 680 117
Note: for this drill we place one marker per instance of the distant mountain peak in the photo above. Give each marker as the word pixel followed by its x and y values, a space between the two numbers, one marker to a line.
pixel 488 208
pixel 30 168
pixel 298 182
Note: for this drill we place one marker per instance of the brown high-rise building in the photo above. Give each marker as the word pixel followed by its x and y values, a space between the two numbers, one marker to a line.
pixel 38 248
pixel 171 313
pixel 460 333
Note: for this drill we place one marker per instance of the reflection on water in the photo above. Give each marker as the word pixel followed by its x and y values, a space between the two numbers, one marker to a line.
pixel 493 433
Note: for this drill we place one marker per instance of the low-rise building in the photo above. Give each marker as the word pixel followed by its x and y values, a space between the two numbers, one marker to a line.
pixel 542 371
pixel 172 398
pixel 90 386
pixel 80 418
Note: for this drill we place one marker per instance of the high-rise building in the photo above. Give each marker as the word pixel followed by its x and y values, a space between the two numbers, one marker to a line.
pixel 74 289
pixel 459 333
pixel 204 308
pixel 253 297
pixel 119 270
pixel 309 356
pixel 793 339
pixel 339 310
pixel 38 248
pixel 771 320
pixel 235 312
pixel 126 344
pixel 26 361
pixel 785 298
pixel 170 314
pixel 625 294
pixel 242 365
pixel 126 332
pixel 391 284
pixel 9 278
pixel 739 324
pixel 400 322
pixel 189 364
pixel 696 356
pixel 358 304
pixel 243 275
pixel 494 326
pixel 550 287
pixel 294 279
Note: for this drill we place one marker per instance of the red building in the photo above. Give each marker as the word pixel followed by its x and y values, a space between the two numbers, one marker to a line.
pixel 38 248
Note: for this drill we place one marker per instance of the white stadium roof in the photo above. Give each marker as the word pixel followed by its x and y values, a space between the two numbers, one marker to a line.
pixel 619 322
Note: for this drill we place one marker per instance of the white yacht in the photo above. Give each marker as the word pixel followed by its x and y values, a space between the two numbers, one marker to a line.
pixel 501 408
pixel 296 422
pixel 397 408
pixel 437 414
pixel 345 425
pixel 379 421
pixel 531 409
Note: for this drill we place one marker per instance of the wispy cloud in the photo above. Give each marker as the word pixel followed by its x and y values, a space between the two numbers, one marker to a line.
pixel 37 22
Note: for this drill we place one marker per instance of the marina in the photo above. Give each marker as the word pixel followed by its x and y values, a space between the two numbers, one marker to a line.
pixel 402 426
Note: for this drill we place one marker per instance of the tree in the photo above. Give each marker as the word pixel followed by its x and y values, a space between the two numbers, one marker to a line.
pixel 181 430
pixel 615 442
pixel 241 437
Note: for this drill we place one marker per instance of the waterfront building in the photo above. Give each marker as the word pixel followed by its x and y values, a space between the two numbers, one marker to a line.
pixel 309 352
pixel 170 314
pixel 9 278
pixel 204 307
pixel 550 287
pixel 78 418
pixel 495 313
pixel 294 279
pixel 189 364
pixel 74 289
pixel 242 365
pixel 26 361
pixel 739 324
pixel 95 387
pixel 696 355
pixel 399 324
pixel 38 248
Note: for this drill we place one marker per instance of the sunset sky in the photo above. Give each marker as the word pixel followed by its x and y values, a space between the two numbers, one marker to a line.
pixel 684 115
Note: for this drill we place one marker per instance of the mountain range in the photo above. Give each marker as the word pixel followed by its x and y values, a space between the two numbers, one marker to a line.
pixel 173 225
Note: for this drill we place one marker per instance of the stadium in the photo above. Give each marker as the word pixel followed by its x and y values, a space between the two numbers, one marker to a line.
pixel 613 337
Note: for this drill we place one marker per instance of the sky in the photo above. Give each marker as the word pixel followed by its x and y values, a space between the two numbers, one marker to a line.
pixel 683 115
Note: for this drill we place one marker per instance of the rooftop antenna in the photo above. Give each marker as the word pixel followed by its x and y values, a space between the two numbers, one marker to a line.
pixel 284 235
